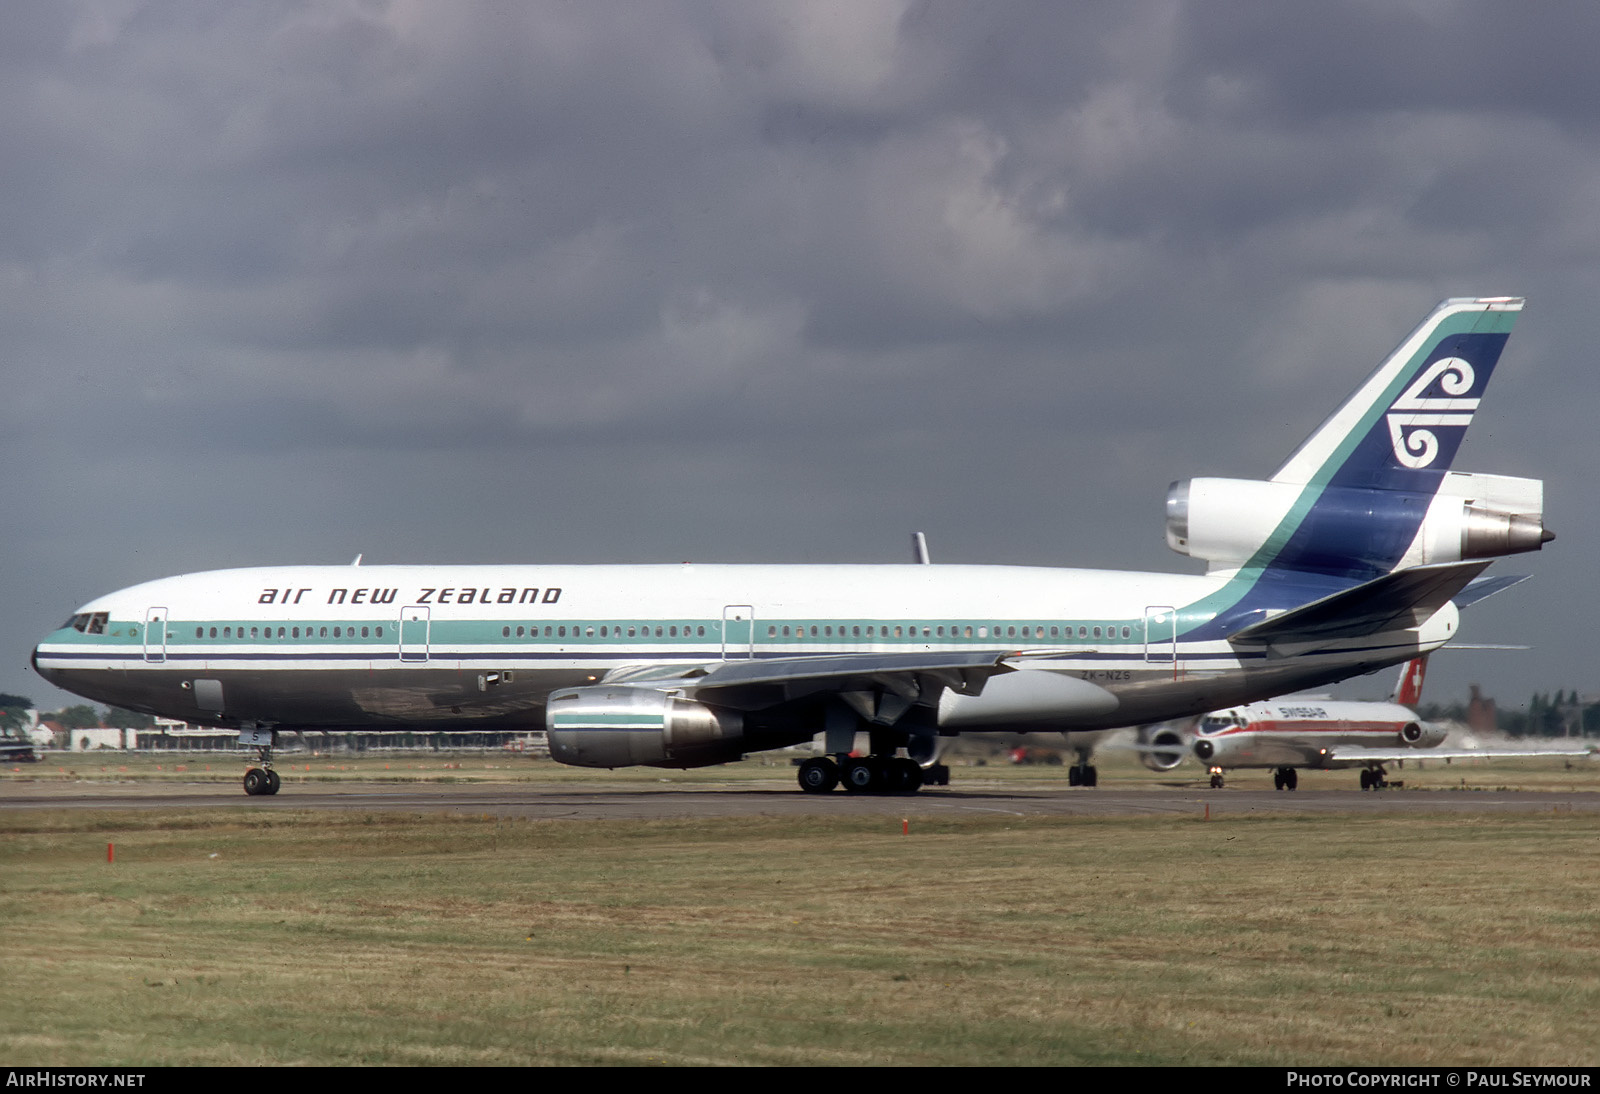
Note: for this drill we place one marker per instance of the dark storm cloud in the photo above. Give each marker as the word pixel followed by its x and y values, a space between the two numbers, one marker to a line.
pixel 285 281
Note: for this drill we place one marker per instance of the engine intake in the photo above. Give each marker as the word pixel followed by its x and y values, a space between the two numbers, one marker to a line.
pixel 1421 734
pixel 1161 748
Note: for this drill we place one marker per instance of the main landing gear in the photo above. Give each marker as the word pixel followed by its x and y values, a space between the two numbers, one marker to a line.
pixel 1285 778
pixel 1082 774
pixel 262 781
pixel 870 775
pixel 1373 778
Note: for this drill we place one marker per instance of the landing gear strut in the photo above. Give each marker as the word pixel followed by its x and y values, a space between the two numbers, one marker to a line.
pixel 1285 778
pixel 261 781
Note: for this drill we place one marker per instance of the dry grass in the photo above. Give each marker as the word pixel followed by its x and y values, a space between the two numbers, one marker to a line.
pixel 306 938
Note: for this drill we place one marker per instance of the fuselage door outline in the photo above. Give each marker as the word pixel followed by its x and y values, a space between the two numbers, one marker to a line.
pixel 155 636
pixel 415 621
pixel 738 632
pixel 1161 635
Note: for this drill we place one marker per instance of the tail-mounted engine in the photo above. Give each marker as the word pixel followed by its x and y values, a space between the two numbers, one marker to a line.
pixel 1422 735
pixel 1161 748
pixel 617 726
pixel 1227 522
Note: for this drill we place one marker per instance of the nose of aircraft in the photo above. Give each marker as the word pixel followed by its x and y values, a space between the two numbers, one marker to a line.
pixel 1203 749
pixel 45 673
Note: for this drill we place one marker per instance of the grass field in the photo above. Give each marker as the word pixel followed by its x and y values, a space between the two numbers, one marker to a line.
pixel 343 938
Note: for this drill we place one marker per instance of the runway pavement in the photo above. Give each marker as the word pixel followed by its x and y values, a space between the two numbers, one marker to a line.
pixel 593 801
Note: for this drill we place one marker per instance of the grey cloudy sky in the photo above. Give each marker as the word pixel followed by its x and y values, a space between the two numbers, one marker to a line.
pixel 500 282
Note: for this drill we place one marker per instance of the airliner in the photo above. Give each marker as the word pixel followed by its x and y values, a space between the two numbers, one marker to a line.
pixel 1344 561
pixel 1325 734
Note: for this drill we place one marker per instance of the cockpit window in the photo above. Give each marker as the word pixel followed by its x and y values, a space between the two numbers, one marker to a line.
pixel 1216 723
pixel 89 622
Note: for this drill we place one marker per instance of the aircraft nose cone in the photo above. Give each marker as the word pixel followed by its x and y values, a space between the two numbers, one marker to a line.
pixel 1204 749
pixel 44 672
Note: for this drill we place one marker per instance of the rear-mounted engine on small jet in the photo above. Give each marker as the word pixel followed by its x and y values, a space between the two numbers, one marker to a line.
pixel 1422 735
pixel 1161 748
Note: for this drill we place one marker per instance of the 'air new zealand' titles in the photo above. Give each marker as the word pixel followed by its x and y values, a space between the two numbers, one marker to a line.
pixel 1351 557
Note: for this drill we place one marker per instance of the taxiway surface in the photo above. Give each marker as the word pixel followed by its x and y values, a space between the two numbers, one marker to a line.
pixel 630 801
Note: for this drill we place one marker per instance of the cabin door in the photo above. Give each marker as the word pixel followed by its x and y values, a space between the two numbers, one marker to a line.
pixel 1161 635
pixel 738 632
pixel 155 635
pixel 414 624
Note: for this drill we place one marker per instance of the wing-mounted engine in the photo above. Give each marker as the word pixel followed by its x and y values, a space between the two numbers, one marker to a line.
pixel 1345 529
pixel 619 726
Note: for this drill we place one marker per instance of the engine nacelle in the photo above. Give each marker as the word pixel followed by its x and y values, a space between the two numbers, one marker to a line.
pixel 1226 521
pixel 1161 748
pixel 619 726
pixel 1422 735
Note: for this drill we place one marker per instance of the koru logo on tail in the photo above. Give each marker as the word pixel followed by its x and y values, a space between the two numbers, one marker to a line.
pixel 1413 418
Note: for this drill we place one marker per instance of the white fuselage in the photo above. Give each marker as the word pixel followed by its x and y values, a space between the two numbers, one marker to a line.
pixel 1298 731
pixel 481 646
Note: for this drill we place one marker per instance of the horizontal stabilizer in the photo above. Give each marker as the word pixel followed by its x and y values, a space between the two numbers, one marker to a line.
pixel 1394 601
pixel 1485 587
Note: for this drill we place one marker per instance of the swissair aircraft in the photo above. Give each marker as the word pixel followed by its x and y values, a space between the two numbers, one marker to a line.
pixel 1343 562
pixel 1313 732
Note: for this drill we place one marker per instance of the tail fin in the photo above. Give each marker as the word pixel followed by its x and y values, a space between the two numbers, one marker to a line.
pixel 1408 689
pixel 1371 490
pixel 1401 428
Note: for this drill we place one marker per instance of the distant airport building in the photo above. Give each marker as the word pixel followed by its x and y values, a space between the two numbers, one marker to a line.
pixel 167 735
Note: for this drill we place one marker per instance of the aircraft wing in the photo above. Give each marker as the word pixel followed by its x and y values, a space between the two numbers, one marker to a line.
pixel 1394 601
pixel 752 685
pixel 1355 756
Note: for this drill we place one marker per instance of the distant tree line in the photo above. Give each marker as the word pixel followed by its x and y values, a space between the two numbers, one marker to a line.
pixel 1564 714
